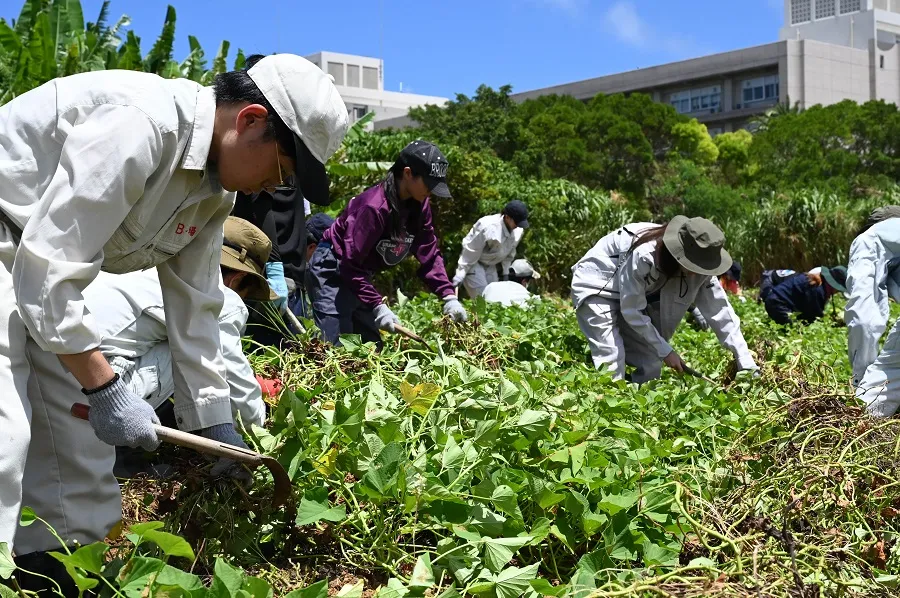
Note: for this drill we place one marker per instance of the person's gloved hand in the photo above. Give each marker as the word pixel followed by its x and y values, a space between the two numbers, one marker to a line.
pixel 458 279
pixel 275 276
pixel 454 309
pixel 121 418
pixel 226 434
pixel 674 361
pixel 270 387
pixel 385 318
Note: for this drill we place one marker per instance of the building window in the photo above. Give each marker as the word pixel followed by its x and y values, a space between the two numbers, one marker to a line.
pixel 760 89
pixel 702 99
pixel 848 6
pixel 370 77
pixel 824 9
pixel 801 11
pixel 336 70
pixel 359 112
pixel 352 75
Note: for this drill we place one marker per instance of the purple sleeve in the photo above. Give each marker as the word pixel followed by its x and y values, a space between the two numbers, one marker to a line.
pixel 425 247
pixel 364 228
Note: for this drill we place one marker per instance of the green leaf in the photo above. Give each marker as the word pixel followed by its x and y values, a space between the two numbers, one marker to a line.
pixel 452 456
pixel 314 507
pixel 27 517
pixel 423 574
pixel 170 576
pixel 316 590
pixel 481 588
pixel 533 424
pixel 5 592
pixel 89 558
pixel 381 479
pixel 540 529
pixel 83 582
pixel 352 591
pixel 257 588
pixel 499 551
pixel 170 544
pixel 142 528
pixel 350 418
pixel 505 500
pixel 136 574
pixel 227 580
pixel 7 565
pixel 543 587
pixel 514 581
pixel 613 503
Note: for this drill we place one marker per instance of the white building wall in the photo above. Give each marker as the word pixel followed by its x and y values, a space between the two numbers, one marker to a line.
pixel 364 94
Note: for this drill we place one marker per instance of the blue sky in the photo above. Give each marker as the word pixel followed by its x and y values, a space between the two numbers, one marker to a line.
pixel 449 47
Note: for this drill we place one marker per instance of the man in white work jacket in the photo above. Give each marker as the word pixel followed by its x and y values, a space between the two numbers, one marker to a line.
pixel 134 340
pixel 491 242
pixel 124 171
pixel 873 277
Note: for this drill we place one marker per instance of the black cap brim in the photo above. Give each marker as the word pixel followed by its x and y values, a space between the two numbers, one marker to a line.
pixel 523 224
pixel 310 175
pixel 437 187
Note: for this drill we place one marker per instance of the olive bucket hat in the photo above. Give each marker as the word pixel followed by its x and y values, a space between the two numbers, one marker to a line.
pixel 836 277
pixel 698 245
pixel 246 249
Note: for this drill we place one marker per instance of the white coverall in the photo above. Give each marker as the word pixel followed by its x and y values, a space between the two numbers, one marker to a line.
pixel 102 170
pixel 489 243
pixel 134 339
pixel 873 278
pixel 610 289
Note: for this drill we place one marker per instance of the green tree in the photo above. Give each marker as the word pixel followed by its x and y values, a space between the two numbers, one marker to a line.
pixel 50 39
pixel 486 121
pixel 692 141
pixel 734 154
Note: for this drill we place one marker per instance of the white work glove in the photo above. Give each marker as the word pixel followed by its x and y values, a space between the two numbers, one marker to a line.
pixel 458 278
pixel 121 418
pixel 385 318
pixel 454 309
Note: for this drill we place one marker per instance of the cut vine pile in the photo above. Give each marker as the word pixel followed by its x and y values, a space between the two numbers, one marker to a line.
pixel 505 465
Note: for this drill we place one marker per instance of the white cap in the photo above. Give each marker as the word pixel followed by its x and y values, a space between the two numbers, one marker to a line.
pixel 523 269
pixel 305 99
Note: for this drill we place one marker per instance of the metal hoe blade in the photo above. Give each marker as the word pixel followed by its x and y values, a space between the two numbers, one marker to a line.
pixel 412 335
pixel 217 449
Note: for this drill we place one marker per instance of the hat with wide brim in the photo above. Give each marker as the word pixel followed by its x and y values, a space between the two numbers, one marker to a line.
pixel 246 248
pixel 831 276
pixel 698 245
pixel 260 291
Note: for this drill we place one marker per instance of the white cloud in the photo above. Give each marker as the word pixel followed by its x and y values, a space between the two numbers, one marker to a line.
pixel 624 22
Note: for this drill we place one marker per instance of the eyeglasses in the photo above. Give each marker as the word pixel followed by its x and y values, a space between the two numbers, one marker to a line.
pixel 286 187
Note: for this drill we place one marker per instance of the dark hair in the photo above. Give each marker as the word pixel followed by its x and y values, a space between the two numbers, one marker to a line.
pixel 236 87
pixel 666 262
pixel 404 215
pixel 518 279
pixel 247 282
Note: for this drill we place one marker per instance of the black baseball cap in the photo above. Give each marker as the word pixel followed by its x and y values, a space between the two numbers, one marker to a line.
pixel 316 226
pixel 518 211
pixel 426 160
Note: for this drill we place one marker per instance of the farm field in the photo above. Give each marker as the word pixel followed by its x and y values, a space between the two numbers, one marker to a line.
pixel 503 465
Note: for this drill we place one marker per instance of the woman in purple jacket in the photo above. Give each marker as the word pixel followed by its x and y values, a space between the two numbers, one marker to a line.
pixel 379 228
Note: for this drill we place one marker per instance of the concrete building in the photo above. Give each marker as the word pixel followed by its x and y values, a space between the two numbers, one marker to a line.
pixel 360 81
pixel 829 50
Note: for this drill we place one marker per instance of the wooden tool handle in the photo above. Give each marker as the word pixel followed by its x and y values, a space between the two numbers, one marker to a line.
pixel 191 441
